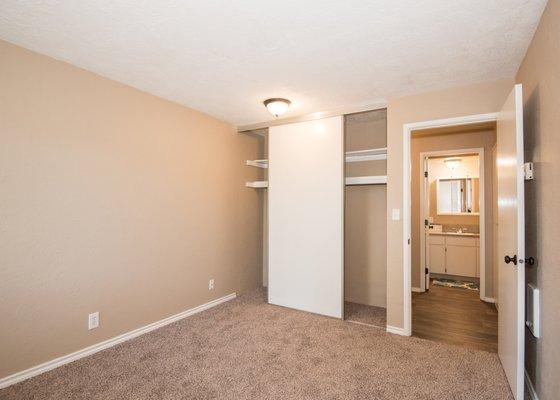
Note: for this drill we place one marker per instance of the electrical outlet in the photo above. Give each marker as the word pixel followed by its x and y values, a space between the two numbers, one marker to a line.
pixel 93 320
pixel 211 284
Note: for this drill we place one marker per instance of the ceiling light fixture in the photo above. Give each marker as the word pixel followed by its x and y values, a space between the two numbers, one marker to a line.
pixel 452 163
pixel 277 106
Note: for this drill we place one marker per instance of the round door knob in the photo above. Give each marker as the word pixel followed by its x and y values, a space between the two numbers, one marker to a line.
pixel 509 259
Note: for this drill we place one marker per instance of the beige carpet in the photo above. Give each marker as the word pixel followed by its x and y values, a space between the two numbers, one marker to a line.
pixel 364 314
pixel 247 349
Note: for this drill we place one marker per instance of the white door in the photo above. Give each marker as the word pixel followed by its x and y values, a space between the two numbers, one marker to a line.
pixel 306 216
pixel 511 240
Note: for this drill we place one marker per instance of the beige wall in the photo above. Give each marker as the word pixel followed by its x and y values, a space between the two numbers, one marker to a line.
pixel 540 75
pixel 365 233
pixel 443 139
pixel 454 102
pixel 111 200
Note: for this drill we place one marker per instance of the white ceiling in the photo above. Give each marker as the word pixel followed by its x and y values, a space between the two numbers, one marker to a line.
pixel 225 57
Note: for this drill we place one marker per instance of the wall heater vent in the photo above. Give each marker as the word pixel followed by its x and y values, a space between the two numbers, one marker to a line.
pixel 533 310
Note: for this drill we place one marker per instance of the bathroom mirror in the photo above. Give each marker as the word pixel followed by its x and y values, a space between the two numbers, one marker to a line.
pixel 457 196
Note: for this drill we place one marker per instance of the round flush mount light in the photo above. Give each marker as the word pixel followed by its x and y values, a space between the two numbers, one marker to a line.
pixel 277 106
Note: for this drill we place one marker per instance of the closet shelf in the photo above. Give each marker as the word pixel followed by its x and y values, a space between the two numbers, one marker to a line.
pixel 367 180
pixel 350 156
pixel 352 180
pixel 257 163
pixel 367 155
pixel 257 184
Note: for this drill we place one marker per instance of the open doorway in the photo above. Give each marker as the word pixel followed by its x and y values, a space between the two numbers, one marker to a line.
pixel 452 235
pixel 451 214
pixel 508 253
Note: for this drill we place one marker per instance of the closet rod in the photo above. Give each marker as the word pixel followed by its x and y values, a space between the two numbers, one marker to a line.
pixel 257 184
pixel 367 155
pixel 257 163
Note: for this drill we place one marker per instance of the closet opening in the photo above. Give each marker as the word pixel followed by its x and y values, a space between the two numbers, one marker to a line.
pixel 364 158
pixel 365 221
pixel 257 170
pixel 453 220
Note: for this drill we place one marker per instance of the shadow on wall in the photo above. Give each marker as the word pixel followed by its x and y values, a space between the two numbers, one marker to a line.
pixel 531 111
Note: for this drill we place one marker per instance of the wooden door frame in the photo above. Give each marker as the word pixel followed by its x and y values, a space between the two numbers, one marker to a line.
pixel 407 210
pixel 481 219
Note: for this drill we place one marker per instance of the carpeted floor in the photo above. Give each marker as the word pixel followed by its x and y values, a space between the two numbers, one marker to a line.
pixel 247 349
pixel 364 314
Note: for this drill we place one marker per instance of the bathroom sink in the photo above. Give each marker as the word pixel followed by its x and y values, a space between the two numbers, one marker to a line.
pixel 455 233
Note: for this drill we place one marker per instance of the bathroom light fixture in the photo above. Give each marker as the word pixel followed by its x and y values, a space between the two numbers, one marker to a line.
pixel 452 163
pixel 277 106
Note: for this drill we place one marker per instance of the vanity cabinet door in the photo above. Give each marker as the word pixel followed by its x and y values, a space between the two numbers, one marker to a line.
pixel 437 258
pixel 477 261
pixel 461 260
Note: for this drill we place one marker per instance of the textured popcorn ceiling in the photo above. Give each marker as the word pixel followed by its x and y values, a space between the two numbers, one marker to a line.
pixel 225 57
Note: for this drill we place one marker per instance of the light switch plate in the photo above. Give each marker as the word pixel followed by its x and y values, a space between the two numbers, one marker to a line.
pixel 396 214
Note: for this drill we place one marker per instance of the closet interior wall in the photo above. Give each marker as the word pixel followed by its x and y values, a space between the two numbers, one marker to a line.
pixel 257 172
pixel 365 231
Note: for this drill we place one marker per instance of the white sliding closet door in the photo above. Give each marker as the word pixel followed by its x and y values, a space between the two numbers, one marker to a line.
pixel 306 216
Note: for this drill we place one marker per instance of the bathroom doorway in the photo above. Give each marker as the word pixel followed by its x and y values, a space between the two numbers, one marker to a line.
pixel 452 235
pixel 452 251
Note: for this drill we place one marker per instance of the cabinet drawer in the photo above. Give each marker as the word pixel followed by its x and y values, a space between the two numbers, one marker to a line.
pixel 461 241
pixel 437 239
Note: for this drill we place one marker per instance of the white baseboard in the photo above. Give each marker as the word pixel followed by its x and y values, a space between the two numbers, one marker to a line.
pixel 530 387
pixel 417 290
pixel 57 362
pixel 489 299
pixel 396 330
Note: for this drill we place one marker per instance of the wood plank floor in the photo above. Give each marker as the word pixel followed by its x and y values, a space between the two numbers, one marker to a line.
pixel 455 316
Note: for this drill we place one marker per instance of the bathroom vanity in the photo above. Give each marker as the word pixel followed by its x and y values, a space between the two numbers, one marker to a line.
pixel 454 253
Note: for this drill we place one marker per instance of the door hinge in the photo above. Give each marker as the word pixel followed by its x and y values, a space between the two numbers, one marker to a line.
pixel 426 271
pixel 426 222
pixel 425 174
pixel 408 240
pixel 528 171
